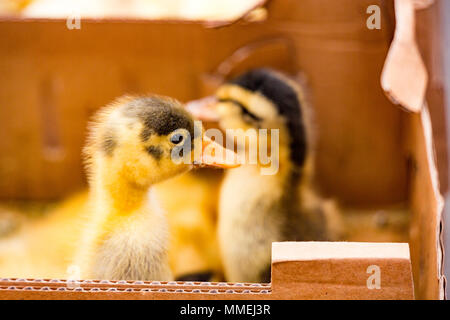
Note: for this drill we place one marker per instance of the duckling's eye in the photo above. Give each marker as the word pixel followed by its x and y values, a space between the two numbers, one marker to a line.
pixel 177 138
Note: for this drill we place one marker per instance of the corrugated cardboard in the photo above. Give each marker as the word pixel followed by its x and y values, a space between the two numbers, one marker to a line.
pixel 300 270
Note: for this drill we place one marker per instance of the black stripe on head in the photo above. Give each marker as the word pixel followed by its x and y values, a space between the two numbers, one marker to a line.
pixel 244 109
pixel 285 99
pixel 160 116
pixel 155 152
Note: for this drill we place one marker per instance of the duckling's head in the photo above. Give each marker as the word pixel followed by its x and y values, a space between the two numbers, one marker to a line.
pixel 143 140
pixel 259 99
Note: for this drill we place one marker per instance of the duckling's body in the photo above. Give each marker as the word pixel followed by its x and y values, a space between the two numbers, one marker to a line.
pixel 256 209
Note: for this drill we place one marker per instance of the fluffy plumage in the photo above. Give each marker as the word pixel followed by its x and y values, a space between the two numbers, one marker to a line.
pixel 128 150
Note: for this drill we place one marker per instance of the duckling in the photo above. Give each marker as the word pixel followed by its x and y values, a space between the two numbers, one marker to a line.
pixel 257 209
pixel 134 143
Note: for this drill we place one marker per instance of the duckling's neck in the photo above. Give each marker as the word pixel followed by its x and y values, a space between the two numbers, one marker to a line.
pixel 118 195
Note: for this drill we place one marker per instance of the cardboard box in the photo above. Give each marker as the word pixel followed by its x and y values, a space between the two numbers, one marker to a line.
pixel 370 151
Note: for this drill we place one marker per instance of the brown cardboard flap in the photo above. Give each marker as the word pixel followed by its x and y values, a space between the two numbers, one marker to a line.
pixel 404 77
pixel 427 205
pixel 438 200
pixel 341 270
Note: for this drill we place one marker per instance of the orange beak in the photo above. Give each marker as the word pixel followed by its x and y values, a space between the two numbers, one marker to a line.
pixel 203 109
pixel 214 155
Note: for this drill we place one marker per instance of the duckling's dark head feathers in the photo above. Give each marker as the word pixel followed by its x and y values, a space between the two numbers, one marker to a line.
pixel 286 100
pixel 159 115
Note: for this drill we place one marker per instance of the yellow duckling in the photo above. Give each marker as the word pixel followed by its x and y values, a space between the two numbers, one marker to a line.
pixel 257 208
pixel 134 143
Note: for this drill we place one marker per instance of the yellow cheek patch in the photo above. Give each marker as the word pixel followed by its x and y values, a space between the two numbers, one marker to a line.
pixel 255 102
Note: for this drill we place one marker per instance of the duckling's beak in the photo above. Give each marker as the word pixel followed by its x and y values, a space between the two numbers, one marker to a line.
pixel 214 155
pixel 203 109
